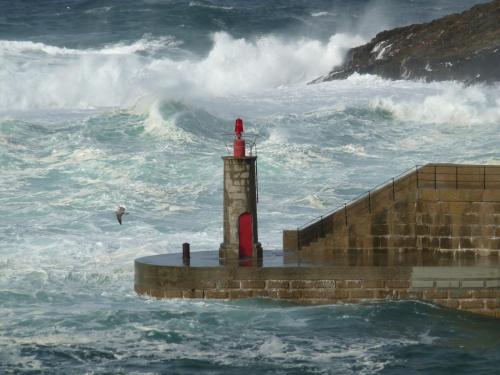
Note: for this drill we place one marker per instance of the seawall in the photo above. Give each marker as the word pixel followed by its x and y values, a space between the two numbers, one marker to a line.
pixel 430 234
pixel 437 207
pixel 468 284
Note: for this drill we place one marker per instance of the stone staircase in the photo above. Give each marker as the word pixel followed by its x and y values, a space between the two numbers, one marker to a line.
pixel 445 207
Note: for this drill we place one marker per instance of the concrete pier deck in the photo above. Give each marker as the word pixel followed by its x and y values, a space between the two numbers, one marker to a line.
pixel 463 282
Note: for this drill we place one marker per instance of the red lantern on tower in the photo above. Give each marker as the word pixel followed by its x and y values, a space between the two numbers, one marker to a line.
pixel 239 142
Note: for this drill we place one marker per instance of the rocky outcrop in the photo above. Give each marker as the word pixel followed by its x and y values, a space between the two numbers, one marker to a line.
pixel 463 47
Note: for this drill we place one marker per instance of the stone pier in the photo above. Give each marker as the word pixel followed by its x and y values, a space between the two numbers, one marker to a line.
pixel 430 234
pixel 470 284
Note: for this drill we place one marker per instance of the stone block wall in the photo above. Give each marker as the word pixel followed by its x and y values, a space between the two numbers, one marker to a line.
pixel 473 289
pixel 463 220
pixel 436 207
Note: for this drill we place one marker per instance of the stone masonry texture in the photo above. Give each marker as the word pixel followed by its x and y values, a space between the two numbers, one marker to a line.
pixel 239 197
pixel 473 289
pixel 439 207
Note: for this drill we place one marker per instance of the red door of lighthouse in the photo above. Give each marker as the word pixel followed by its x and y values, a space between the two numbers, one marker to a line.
pixel 246 235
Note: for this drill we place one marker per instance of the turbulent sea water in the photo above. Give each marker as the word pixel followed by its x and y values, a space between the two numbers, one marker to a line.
pixel 125 102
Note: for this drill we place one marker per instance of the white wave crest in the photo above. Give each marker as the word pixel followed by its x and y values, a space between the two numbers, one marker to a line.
pixel 147 43
pixel 273 347
pixel 319 14
pixel 98 11
pixel 208 5
pixel 164 126
pixel 453 103
pixel 35 75
pixel 245 66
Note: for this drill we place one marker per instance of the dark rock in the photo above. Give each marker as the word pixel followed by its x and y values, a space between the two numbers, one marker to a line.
pixel 463 47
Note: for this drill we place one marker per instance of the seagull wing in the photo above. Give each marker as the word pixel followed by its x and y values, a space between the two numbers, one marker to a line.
pixel 119 217
pixel 119 213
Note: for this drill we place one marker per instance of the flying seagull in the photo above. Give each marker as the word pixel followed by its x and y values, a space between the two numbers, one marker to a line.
pixel 120 211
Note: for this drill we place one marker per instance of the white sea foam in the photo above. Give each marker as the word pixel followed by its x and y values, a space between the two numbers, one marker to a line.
pixel 354 149
pixel 159 125
pixel 12 47
pixel 319 14
pixel 208 5
pixel 117 75
pixel 98 11
pixel 272 347
pixel 313 201
pixel 453 103
pixel 64 253
pixel 426 339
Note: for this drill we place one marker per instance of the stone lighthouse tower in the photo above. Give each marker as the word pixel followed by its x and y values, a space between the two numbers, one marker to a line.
pixel 240 203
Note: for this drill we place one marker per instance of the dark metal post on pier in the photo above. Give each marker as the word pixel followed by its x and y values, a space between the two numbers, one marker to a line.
pixel 186 256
